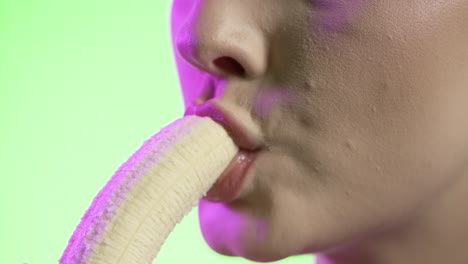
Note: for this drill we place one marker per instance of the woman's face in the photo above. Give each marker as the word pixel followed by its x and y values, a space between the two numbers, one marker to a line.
pixel 362 106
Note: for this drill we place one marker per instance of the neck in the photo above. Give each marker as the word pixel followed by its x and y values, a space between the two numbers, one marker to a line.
pixel 439 234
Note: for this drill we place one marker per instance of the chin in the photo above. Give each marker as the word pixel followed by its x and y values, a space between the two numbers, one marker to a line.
pixel 232 232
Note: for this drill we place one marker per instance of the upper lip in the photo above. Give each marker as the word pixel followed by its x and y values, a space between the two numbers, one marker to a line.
pixel 241 135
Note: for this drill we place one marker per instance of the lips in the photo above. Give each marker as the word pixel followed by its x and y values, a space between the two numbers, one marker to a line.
pixel 244 136
pixel 230 184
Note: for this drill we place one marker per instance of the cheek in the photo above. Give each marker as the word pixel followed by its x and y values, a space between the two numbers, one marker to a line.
pixel 189 77
pixel 408 143
pixel 387 138
pixel 191 80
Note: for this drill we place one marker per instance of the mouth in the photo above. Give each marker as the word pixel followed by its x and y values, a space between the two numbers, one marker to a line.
pixel 242 136
pixel 231 183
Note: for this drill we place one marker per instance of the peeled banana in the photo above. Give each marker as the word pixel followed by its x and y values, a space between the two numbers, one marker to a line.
pixel 132 215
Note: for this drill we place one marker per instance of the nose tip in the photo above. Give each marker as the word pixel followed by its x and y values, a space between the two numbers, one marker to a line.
pixel 222 43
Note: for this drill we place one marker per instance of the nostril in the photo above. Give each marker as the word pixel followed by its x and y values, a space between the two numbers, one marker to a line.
pixel 230 65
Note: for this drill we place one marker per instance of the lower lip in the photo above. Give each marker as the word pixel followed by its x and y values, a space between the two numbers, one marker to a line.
pixel 229 185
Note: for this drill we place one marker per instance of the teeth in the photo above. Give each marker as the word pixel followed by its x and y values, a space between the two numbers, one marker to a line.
pixel 132 215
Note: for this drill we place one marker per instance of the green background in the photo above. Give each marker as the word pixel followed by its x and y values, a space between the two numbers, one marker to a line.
pixel 82 85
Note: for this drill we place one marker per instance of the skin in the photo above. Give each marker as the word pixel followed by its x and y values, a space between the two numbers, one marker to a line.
pixel 362 106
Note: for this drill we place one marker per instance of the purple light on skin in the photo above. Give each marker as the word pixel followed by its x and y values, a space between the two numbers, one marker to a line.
pixel 267 100
pixel 260 228
pixel 190 77
pixel 334 15
pixel 222 224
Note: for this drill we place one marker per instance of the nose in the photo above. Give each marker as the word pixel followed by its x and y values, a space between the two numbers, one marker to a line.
pixel 222 38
